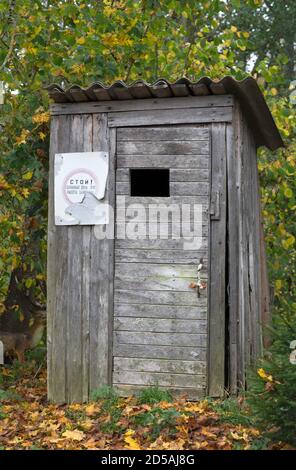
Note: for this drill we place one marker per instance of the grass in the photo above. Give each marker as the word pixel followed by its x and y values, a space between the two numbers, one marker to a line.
pixel 231 411
pixel 153 395
pixel 158 420
pixel 110 406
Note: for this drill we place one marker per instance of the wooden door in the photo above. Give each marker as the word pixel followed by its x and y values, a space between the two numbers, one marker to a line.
pixel 160 323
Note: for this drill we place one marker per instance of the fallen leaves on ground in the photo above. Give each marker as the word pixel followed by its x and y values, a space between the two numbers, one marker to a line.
pixel 29 421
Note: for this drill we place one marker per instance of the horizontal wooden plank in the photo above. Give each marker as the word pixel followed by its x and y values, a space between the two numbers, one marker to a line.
pixel 158 365
pixel 171 203
pixel 128 270
pixel 158 378
pixel 142 104
pixel 176 189
pixel 189 353
pixel 125 296
pixel 189 175
pixel 163 161
pixel 159 134
pixel 170 147
pixel 161 117
pixel 189 189
pixel 158 244
pixel 140 213
pixel 192 394
pixel 134 230
pixel 157 284
pixel 160 311
pixel 158 339
pixel 159 325
pixel 160 256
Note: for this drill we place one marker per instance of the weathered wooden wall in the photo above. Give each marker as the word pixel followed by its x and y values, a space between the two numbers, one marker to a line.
pixel 246 259
pixel 135 292
pixel 160 325
pixel 80 277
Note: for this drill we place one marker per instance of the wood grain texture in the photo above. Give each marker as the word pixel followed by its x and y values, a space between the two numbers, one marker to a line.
pixel 56 282
pixel 165 147
pixel 159 325
pixel 163 161
pixel 158 365
pixel 95 107
pixel 161 311
pixel 160 256
pixel 233 186
pixel 150 302
pixel 184 353
pixel 158 134
pixel 159 379
pixel 102 271
pixel 217 265
pixel 161 117
pixel 80 273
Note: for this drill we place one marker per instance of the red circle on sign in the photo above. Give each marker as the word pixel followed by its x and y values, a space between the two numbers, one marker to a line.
pixel 74 172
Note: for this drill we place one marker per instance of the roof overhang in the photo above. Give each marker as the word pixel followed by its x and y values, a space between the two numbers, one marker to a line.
pixel 246 91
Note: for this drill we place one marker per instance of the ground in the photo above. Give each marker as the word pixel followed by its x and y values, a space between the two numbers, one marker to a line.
pixel 151 421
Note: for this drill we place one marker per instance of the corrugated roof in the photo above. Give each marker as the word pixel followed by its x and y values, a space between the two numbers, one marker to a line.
pixel 246 91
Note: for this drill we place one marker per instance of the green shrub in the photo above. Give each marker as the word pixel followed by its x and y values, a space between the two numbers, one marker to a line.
pixel 272 394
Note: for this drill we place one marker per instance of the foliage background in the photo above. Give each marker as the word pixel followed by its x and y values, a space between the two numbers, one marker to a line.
pixel 79 42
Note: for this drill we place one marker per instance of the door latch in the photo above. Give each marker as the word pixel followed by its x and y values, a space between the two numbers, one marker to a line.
pixel 215 206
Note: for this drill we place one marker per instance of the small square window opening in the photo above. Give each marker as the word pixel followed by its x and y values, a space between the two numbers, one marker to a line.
pixel 150 182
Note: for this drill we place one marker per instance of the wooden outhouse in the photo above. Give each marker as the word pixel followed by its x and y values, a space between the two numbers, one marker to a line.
pixel 131 310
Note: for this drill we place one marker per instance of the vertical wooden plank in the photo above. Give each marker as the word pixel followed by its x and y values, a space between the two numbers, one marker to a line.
pixel 216 362
pixel 233 251
pixel 265 296
pixel 74 274
pixel 51 247
pixel 111 262
pixel 57 275
pixel 256 293
pixel 101 276
pixel 68 273
pixel 86 267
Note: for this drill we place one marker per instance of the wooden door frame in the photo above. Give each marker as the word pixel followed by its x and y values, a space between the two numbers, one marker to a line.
pixel 217 262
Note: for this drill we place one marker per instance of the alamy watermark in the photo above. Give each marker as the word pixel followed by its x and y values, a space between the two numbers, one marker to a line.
pixel 137 221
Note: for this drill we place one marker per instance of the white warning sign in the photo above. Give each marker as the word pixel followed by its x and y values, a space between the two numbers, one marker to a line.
pixel 80 186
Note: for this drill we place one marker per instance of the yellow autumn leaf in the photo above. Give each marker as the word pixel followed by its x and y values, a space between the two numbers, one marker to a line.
pixel 130 441
pixel 261 372
pixel 22 138
pixel 27 176
pixel 75 435
pixel 288 242
pixel 80 40
pixel 92 409
pixel 42 135
pixel 233 29
pixel 41 118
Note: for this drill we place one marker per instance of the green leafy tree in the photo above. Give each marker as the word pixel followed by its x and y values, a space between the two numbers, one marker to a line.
pixel 68 41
